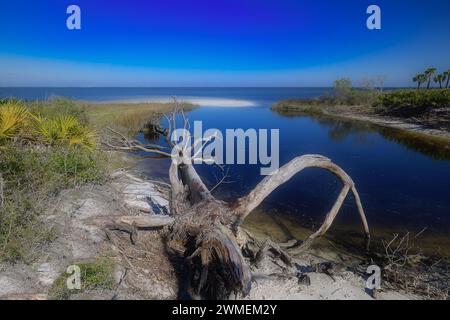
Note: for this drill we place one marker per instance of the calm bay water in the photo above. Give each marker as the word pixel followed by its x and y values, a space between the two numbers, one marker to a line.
pixel 404 185
pixel 263 96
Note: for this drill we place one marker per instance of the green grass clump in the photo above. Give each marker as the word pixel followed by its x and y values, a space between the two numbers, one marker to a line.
pixel 61 107
pixel 95 275
pixel 294 107
pixel 75 166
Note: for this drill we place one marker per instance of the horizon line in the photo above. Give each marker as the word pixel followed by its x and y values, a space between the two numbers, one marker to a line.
pixel 189 87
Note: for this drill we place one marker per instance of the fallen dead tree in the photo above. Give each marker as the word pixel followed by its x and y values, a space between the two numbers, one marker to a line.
pixel 204 231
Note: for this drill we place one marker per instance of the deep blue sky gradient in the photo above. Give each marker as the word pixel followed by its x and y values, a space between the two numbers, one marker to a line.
pixel 219 42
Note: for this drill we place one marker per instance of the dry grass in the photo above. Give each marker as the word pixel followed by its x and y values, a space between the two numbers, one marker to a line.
pixel 128 117
pixel 405 267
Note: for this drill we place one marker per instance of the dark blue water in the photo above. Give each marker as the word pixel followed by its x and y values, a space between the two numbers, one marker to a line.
pixel 262 95
pixel 399 187
pixel 403 185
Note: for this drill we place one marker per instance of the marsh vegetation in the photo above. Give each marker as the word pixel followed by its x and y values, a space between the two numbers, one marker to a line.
pixel 47 147
pixel 429 108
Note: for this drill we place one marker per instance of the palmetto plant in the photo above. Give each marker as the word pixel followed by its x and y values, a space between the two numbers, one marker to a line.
pixel 64 129
pixel 429 74
pixel 420 78
pixel 13 118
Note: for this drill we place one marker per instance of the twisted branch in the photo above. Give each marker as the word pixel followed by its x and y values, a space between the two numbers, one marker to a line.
pixel 248 203
pixel 125 144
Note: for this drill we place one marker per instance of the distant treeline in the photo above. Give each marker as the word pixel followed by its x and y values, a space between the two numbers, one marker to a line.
pixel 443 79
pixel 400 102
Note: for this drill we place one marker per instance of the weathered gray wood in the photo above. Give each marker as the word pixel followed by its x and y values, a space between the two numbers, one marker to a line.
pixel 248 203
pixel 146 221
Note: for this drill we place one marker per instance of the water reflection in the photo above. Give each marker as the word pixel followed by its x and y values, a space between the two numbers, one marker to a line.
pixel 338 130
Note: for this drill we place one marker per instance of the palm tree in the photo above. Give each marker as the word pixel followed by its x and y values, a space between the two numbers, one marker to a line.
pixel 429 74
pixel 438 79
pixel 447 76
pixel 416 79
pixel 420 78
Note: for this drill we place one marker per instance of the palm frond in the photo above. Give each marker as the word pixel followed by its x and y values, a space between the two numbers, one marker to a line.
pixel 65 129
pixel 13 118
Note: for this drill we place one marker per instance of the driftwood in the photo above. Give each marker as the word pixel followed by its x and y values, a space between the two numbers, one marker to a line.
pixel 147 221
pixel 204 229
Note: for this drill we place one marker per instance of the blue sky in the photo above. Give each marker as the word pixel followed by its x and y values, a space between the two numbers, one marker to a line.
pixel 219 42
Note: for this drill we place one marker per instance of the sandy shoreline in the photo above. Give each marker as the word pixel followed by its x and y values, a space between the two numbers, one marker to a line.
pixel 199 101
pixel 422 127
pixel 394 123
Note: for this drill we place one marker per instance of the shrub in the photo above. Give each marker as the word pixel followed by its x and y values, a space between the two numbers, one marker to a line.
pixel 413 102
pixel 342 87
pixel 76 166
pixel 59 122
pixel 345 94
pixel 64 129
